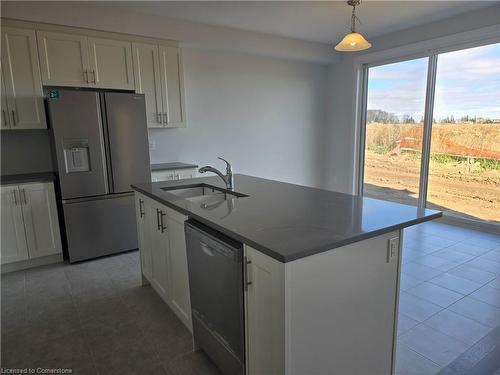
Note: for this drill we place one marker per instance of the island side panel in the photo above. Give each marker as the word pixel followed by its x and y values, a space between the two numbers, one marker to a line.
pixel 341 308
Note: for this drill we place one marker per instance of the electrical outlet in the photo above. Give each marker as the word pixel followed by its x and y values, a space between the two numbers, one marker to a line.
pixel 152 145
pixel 392 249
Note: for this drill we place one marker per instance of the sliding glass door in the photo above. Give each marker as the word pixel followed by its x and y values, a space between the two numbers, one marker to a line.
pixel 394 130
pixel 432 132
pixel 464 170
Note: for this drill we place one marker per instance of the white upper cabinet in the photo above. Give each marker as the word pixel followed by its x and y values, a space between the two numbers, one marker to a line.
pixel 111 63
pixel 64 59
pixel 159 76
pixel 148 81
pixel 81 61
pixel 172 84
pixel 22 103
pixel 14 247
pixel 40 219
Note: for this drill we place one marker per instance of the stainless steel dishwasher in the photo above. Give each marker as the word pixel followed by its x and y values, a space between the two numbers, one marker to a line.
pixel 216 289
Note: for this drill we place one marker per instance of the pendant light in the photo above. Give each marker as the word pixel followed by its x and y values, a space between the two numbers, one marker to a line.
pixel 353 41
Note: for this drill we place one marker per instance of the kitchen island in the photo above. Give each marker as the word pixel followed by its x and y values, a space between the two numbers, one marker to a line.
pixel 322 284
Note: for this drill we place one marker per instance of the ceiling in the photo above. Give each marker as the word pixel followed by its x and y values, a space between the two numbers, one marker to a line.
pixel 317 21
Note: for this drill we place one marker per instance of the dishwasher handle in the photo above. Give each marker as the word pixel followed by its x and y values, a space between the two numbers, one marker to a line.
pixel 207 249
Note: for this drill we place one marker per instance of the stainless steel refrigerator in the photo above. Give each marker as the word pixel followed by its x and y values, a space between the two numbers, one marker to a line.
pixel 101 146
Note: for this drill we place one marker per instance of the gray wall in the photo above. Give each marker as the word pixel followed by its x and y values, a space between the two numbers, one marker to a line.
pixel 25 151
pixel 340 136
pixel 264 115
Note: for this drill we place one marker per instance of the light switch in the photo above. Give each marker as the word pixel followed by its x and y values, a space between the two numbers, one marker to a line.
pixel 392 249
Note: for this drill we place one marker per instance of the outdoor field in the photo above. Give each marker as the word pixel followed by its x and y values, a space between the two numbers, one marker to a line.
pixel 464 174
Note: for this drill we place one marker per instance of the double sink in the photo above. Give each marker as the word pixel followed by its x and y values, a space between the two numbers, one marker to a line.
pixel 202 192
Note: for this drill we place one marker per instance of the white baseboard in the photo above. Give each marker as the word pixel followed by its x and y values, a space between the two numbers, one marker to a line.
pixel 30 263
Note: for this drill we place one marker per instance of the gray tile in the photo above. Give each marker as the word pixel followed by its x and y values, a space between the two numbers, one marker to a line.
pixel 68 351
pixel 433 293
pixel 419 271
pixel 169 337
pixel 484 240
pixel 488 294
pixel 476 354
pixel 438 347
pixel 473 274
pixel 453 255
pixel 455 283
pixel 407 281
pixel 492 255
pixel 195 363
pixel 409 362
pixel 405 323
pixel 495 283
pixel 455 325
pixel 105 311
pixel 470 249
pixel 479 311
pixel 138 358
pixel 485 265
pixel 436 262
pixel 417 308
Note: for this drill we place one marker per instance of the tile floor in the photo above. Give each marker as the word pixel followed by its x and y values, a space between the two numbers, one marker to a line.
pixel 450 295
pixel 95 318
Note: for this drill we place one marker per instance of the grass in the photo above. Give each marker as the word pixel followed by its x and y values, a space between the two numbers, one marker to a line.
pixel 489 164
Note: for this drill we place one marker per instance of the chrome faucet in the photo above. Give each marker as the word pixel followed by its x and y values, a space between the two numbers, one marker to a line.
pixel 227 178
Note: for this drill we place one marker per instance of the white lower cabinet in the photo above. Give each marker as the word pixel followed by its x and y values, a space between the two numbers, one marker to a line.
pixel 30 226
pixel 162 248
pixel 264 314
pixel 159 250
pixel 178 272
pixel 142 214
pixel 14 247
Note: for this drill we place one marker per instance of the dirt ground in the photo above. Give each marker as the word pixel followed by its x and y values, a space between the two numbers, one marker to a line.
pixel 468 192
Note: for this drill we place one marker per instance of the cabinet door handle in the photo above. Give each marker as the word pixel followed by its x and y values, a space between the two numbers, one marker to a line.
pixel 163 227
pixel 246 281
pixel 14 118
pixel 15 197
pixel 24 196
pixel 158 218
pixel 158 117
pixel 165 117
pixel 5 117
pixel 94 76
pixel 141 206
pixel 86 75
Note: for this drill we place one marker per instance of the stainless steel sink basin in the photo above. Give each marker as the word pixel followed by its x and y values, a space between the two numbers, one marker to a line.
pixel 195 192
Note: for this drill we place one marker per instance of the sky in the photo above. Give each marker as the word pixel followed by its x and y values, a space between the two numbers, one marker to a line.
pixel 467 83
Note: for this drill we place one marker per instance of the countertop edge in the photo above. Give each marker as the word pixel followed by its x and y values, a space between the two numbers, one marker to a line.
pixel 273 254
pixel 22 178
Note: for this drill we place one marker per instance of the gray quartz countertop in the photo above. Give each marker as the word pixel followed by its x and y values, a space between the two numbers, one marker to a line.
pixel 27 177
pixel 287 221
pixel 171 166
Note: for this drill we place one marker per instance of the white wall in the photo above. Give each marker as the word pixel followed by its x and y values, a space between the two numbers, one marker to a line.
pixel 264 115
pixel 257 100
pixel 340 135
